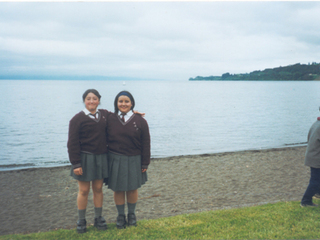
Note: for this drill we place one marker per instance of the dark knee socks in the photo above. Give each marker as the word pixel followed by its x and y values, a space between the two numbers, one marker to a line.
pixel 131 208
pixel 82 214
pixel 120 209
pixel 97 212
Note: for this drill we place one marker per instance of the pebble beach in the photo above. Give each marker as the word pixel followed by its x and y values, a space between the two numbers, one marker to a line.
pixel 43 199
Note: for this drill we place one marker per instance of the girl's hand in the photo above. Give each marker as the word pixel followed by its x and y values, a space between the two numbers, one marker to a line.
pixel 136 112
pixel 144 170
pixel 78 171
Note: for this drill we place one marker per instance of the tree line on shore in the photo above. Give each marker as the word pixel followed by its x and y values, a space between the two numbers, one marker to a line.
pixel 296 72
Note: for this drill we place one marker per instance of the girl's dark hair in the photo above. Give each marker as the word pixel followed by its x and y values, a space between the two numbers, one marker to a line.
pixel 123 93
pixel 95 92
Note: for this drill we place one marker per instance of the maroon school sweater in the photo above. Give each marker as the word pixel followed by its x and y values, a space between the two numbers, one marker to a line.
pixel 130 138
pixel 87 135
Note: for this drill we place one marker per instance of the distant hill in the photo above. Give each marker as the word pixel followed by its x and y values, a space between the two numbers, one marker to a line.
pixel 296 72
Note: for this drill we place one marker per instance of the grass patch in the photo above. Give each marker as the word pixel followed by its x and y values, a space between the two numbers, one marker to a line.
pixel 283 220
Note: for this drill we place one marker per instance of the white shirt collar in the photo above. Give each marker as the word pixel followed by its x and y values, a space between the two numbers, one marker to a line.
pixel 87 112
pixel 130 113
pixel 127 116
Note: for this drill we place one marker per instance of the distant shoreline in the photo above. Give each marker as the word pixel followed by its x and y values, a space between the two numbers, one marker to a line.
pixel 295 72
pixel 253 80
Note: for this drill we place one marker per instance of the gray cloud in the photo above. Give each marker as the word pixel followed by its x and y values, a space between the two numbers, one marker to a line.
pixel 166 40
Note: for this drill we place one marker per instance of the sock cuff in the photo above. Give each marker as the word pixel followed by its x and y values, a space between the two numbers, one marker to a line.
pixel 97 212
pixel 82 213
pixel 131 207
pixel 120 209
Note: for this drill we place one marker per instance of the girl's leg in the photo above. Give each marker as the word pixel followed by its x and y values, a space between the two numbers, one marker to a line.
pixel 97 193
pixel 132 198
pixel 119 199
pixel 99 221
pixel 82 200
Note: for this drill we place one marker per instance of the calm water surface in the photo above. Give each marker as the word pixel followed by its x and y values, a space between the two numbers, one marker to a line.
pixel 184 117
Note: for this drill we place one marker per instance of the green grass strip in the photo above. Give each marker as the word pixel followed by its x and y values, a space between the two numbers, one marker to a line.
pixel 283 220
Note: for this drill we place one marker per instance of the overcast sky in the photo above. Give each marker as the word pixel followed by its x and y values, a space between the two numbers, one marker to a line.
pixel 156 40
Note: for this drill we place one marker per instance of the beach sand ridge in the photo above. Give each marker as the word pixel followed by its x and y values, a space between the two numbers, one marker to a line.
pixel 43 199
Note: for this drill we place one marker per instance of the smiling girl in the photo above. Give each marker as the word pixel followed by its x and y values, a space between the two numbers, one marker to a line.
pixel 87 148
pixel 128 155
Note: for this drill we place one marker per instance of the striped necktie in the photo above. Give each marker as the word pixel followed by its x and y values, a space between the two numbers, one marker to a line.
pixel 96 115
pixel 122 117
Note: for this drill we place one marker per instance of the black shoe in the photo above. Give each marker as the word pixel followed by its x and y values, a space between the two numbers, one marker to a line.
pixel 100 223
pixel 81 226
pixel 132 220
pixel 308 205
pixel 121 221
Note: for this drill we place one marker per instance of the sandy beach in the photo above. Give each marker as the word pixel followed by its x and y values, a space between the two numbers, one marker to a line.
pixel 34 200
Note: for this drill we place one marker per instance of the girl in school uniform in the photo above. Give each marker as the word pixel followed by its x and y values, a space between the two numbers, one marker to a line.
pixel 87 148
pixel 128 155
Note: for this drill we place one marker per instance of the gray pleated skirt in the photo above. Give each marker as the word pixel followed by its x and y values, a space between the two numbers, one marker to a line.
pixel 94 167
pixel 125 172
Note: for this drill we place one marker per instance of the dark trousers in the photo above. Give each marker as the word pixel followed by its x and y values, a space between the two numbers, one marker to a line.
pixel 313 187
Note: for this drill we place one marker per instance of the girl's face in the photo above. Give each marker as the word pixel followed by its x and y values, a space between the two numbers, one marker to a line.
pixel 124 104
pixel 91 101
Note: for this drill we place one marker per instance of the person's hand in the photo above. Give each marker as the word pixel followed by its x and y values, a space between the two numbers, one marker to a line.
pixel 144 170
pixel 136 112
pixel 78 171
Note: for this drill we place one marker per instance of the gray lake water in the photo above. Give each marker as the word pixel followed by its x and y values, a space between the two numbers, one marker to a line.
pixel 184 117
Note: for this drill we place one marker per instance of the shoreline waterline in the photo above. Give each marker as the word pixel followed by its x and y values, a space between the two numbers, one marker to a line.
pixel 17 167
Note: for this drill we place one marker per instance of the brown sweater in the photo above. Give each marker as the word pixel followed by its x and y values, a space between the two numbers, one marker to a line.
pixel 130 138
pixel 87 135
